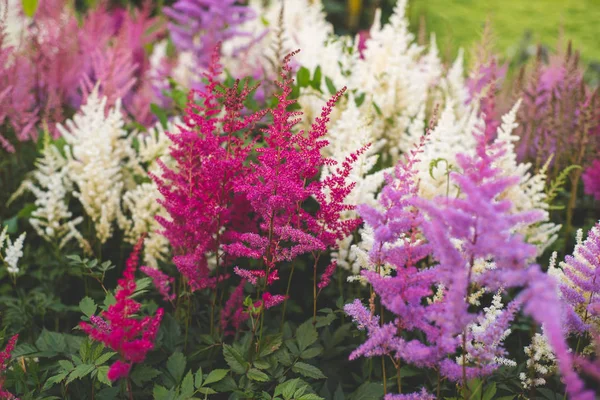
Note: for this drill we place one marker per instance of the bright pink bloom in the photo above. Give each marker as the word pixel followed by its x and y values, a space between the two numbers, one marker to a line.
pixel 162 282
pixel 233 312
pixel 4 360
pixel 326 277
pixel 119 330
pixel 591 180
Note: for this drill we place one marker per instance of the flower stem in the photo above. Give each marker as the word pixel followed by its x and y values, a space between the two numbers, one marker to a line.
pixel 287 293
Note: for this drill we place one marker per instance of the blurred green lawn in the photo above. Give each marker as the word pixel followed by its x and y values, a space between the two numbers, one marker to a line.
pixel 458 23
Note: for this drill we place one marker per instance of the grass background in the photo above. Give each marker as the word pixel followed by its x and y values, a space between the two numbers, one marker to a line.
pixel 518 25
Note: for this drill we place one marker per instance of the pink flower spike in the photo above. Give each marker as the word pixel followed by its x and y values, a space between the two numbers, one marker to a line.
pixel 326 277
pixel 161 281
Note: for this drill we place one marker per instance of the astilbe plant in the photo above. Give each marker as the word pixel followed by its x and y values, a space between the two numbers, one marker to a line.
pixel 4 360
pixel 281 181
pixel 209 152
pixel 119 329
pixel 462 232
pixel 591 180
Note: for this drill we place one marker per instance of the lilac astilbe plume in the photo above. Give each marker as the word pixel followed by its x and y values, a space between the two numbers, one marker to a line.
pixel 560 114
pixel 209 153
pixel 197 26
pixel 580 284
pixel 477 225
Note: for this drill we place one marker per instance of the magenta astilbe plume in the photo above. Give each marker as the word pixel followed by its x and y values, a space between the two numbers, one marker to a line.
pixel 233 313
pixel 282 179
pixel 118 328
pixel 209 152
pixel 162 282
pixel 591 180
pixel 4 360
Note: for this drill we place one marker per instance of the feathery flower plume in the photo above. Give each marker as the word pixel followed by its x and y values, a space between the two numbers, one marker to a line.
pixel 4 360
pixel 13 251
pixel 208 153
pixel 591 180
pixel 162 282
pixel 119 330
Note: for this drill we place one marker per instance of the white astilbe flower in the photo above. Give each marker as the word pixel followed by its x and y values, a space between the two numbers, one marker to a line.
pixel 13 21
pixel 101 161
pixel 345 140
pixel 13 251
pixel 51 186
pixel 541 362
pixel 141 203
pixel 529 194
pixel 480 349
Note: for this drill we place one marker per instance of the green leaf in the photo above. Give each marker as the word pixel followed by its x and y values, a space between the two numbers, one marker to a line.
pixel 176 366
pixel 187 386
pixel 368 391
pixel 103 375
pixel 54 380
pixel 104 358
pixel 257 375
pixel 287 388
pixel 310 396
pixel 306 334
pixel 359 100
pixel 316 80
pixel 29 7
pixel 160 113
pixel 66 365
pixel 198 378
pixel 206 390
pixel 303 77
pixel 271 344
pixel 215 376
pixel 87 306
pixel 51 342
pixel 80 371
pixel 261 364
pixel 339 393
pixel 311 352
pixel 308 370
pixel 490 391
pixel 234 359
pixel 143 373
pixel 330 85
pixel 161 393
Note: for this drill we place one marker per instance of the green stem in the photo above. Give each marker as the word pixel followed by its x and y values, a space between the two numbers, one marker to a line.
pixel 287 295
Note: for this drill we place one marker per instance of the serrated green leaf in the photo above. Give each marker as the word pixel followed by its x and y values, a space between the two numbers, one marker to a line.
pixel 66 365
pixel 187 385
pixel 310 371
pixel 215 376
pixel 80 371
pixel 316 80
pixel 176 366
pixel 257 375
pixel 161 393
pixel 303 77
pixel 271 344
pixel 51 342
pixel 311 352
pixel 261 364
pixel 54 380
pixel 234 359
pixel 143 373
pixel 287 388
pixel 206 390
pixel 490 391
pixel 198 378
pixel 29 7
pixel 104 358
pixel 306 334
pixel 330 86
pixel 102 375
pixel 368 391
pixel 160 113
pixel 309 396
pixel 87 306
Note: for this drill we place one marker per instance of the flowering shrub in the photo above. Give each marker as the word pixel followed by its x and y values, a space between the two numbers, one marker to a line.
pixel 354 219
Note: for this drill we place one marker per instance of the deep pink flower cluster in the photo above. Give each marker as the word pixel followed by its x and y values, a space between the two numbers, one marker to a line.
pixel 161 281
pixel 281 180
pixel 591 179
pixel 119 329
pixel 4 359
pixel 209 151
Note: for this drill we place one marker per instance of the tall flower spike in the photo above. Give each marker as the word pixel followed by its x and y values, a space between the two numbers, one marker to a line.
pixel 118 328
pixel 209 155
pixel 4 360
